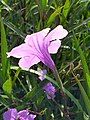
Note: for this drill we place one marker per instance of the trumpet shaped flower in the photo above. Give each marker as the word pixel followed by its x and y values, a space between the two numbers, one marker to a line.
pixel 12 114
pixel 38 47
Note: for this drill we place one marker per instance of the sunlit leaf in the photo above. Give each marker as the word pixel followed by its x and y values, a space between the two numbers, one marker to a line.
pixel 7 86
pixel 5 5
pixel 53 16
pixel 44 3
pixel 66 8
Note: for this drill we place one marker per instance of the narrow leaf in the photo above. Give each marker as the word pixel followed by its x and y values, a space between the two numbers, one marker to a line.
pixel 73 99
pixel 53 16
pixel 66 8
pixel 5 5
pixel 44 3
pixel 14 29
pixel 84 65
pixel 84 95
pixel 4 49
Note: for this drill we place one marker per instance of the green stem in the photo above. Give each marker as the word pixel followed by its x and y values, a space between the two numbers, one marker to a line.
pixel 57 77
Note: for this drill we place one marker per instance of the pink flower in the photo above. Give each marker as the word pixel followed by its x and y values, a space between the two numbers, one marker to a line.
pixel 12 114
pixel 50 90
pixel 38 46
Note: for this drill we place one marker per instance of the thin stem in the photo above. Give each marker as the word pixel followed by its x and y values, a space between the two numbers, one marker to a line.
pixel 16 77
pixel 22 85
pixel 57 77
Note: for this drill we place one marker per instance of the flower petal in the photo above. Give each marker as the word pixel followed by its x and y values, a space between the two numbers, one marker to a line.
pixel 20 51
pixel 26 62
pixel 50 90
pixel 58 33
pixel 23 114
pixel 36 40
pixel 11 114
pixel 54 46
pixel 31 117
pixel 42 33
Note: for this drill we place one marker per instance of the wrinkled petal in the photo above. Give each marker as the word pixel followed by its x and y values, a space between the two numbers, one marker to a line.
pixel 50 90
pixel 26 62
pixel 54 46
pixel 20 51
pixel 11 114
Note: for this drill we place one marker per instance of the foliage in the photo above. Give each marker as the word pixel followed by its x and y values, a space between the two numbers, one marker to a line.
pixel 22 89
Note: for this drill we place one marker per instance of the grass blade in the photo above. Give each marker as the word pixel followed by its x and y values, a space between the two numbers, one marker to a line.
pixel 66 8
pixel 14 29
pixel 84 95
pixel 84 65
pixel 4 49
pixel 53 16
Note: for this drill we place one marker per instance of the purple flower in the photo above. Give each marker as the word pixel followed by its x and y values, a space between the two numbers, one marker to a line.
pixel 43 73
pixel 12 114
pixel 38 46
pixel 50 90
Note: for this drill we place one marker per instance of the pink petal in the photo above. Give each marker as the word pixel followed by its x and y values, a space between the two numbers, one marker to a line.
pixel 20 51
pixel 36 40
pixel 42 33
pixel 54 46
pixel 58 33
pixel 26 62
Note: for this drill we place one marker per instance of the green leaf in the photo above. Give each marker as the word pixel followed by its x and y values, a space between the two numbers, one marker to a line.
pixel 73 99
pixel 5 5
pixel 53 16
pixel 66 8
pixel 13 28
pixel 88 79
pixel 39 100
pixel 84 95
pixel 30 94
pixel 44 3
pixel 4 101
pixel 7 86
pixel 84 65
pixel 4 49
